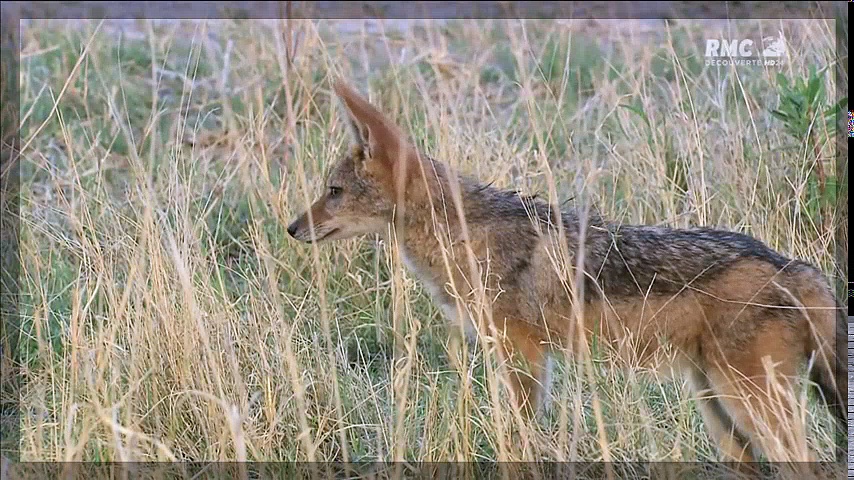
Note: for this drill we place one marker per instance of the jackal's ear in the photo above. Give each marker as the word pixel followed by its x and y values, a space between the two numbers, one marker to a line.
pixel 369 127
pixel 358 131
pixel 389 155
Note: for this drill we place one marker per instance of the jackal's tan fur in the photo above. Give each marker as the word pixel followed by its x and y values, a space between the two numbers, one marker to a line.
pixel 725 302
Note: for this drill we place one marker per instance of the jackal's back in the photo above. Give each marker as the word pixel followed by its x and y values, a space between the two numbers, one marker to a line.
pixel 658 260
pixel 619 260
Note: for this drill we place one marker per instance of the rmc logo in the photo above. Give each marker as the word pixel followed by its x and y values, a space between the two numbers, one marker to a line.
pixel 741 52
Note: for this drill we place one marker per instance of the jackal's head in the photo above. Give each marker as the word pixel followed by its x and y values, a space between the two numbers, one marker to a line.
pixel 367 182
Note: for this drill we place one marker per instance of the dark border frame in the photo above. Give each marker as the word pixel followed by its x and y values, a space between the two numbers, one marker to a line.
pixel 14 11
pixel 449 470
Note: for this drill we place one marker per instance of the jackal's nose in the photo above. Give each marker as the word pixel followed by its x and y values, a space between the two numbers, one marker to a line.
pixel 292 229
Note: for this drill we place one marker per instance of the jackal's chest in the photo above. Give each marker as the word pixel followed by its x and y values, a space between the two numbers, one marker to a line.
pixel 435 283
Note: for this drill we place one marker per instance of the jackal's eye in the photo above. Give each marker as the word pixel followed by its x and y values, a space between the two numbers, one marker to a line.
pixel 334 192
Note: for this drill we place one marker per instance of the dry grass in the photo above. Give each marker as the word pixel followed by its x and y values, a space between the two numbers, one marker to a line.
pixel 169 315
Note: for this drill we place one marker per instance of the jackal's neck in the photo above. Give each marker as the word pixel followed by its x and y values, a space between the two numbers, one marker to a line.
pixel 430 230
pixel 435 206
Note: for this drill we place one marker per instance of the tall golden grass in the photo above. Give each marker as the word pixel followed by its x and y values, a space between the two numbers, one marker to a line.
pixel 170 317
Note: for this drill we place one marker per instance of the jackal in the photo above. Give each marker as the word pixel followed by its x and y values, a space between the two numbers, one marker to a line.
pixel 737 313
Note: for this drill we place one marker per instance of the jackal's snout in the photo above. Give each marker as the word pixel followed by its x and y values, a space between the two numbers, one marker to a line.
pixel 299 229
pixel 292 229
pixel 318 225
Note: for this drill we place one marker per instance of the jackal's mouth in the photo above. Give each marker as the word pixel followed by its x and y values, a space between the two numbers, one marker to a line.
pixel 323 237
